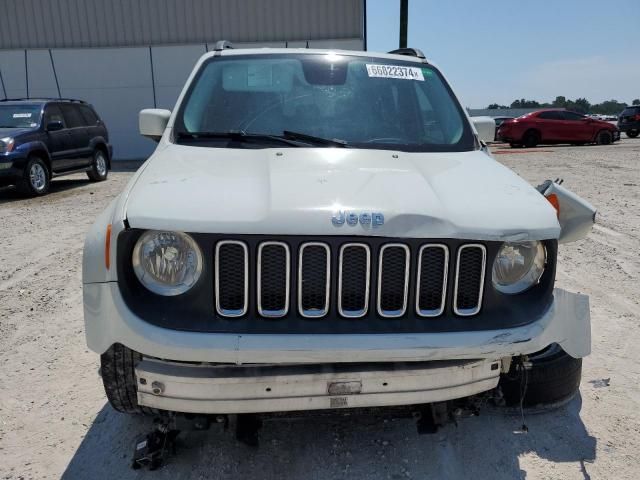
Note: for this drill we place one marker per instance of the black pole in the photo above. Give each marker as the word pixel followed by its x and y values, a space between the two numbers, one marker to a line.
pixel 26 72
pixel 55 75
pixel 4 90
pixel 404 20
pixel 364 11
pixel 153 78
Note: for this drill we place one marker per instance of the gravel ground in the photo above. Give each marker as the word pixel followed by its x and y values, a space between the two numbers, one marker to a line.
pixel 54 420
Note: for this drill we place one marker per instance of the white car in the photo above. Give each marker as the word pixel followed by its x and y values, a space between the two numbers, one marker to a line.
pixel 324 229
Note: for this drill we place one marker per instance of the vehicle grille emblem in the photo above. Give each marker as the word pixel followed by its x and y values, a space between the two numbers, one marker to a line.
pixel 366 219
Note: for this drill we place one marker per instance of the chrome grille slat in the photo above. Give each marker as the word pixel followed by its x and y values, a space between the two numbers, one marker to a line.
pixel 389 296
pixel 273 279
pixel 431 280
pixel 399 274
pixel 469 283
pixel 314 273
pixel 231 278
pixel 354 279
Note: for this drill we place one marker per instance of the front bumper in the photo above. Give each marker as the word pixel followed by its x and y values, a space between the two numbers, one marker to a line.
pixel 207 389
pixel 109 321
pixel 625 127
pixel 11 168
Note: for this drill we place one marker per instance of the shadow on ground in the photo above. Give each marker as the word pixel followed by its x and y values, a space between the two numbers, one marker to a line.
pixel 488 446
pixel 58 186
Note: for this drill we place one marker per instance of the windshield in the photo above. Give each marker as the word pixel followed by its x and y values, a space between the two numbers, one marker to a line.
pixel 365 102
pixel 20 116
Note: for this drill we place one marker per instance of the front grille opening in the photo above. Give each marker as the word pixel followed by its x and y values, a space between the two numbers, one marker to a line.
pixel 231 271
pixel 355 266
pixel 432 280
pixel 469 279
pixel 273 279
pixel 393 276
pixel 314 280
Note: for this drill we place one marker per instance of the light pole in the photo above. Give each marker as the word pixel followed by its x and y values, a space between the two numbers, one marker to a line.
pixel 404 20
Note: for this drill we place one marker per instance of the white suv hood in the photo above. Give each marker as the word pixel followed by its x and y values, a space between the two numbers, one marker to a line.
pixel 295 191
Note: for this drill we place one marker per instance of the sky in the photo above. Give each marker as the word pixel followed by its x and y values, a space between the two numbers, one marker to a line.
pixel 494 51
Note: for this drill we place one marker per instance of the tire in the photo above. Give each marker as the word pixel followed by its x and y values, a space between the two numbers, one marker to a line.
pixel 531 139
pixel 553 380
pixel 632 133
pixel 99 167
pixel 604 137
pixel 36 178
pixel 117 366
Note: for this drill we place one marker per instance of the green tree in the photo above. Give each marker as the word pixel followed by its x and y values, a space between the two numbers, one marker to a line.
pixel 580 105
pixel 608 107
pixel 636 101
pixel 559 102
pixel 522 103
pixel 495 106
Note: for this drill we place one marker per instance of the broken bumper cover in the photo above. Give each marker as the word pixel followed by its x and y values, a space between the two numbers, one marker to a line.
pixel 203 389
pixel 109 321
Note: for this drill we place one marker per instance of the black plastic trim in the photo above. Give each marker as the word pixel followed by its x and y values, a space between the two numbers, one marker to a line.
pixel 195 310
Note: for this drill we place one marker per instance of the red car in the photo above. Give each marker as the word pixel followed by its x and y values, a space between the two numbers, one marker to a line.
pixel 557 126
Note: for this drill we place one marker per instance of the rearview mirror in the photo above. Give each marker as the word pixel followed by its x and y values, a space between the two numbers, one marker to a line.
pixel 54 126
pixel 152 122
pixel 486 128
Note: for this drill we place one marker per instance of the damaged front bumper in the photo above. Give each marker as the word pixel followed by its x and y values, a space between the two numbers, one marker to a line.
pixel 269 373
pixel 206 389
pixel 109 321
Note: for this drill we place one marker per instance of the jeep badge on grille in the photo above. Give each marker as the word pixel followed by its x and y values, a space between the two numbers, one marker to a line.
pixel 374 219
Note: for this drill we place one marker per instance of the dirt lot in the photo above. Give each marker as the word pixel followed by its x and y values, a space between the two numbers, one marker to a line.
pixel 54 420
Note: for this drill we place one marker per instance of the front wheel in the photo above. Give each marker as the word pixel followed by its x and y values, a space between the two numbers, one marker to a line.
pixel 552 379
pixel 99 169
pixel 117 367
pixel 531 139
pixel 604 138
pixel 632 133
pixel 35 179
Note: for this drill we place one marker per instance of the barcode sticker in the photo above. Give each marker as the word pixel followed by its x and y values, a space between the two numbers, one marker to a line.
pixel 395 71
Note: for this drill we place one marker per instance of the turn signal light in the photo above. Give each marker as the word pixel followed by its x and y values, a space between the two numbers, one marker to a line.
pixel 553 200
pixel 107 248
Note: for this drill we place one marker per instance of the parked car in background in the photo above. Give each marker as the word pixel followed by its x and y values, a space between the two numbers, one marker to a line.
pixel 557 126
pixel 499 121
pixel 42 138
pixel 629 121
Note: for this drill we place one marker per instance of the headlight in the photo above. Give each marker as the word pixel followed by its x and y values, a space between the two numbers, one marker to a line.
pixel 167 263
pixel 518 266
pixel 6 144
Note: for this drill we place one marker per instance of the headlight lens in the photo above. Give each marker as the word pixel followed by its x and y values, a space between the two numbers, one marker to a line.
pixel 167 263
pixel 518 266
pixel 6 144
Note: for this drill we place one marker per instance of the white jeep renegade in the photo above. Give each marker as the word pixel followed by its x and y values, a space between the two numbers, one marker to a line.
pixel 325 229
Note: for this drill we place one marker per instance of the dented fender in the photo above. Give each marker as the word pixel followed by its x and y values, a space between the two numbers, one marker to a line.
pixel 575 215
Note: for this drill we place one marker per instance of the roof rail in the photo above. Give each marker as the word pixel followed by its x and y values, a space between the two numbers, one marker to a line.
pixel 222 44
pixel 411 52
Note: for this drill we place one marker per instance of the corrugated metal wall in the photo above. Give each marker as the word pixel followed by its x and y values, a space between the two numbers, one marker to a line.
pixel 113 23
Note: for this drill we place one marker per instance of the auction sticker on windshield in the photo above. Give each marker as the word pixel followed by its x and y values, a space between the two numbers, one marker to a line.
pixel 394 71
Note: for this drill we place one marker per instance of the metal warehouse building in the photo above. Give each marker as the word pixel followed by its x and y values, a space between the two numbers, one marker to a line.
pixel 126 55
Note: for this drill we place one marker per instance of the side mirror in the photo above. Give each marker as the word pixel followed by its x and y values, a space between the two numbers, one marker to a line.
pixel 486 128
pixel 152 122
pixel 54 126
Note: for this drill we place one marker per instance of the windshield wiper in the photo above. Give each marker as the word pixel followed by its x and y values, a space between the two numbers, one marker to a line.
pixel 238 135
pixel 334 142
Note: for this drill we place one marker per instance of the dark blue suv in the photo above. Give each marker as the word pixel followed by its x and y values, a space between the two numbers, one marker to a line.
pixel 42 138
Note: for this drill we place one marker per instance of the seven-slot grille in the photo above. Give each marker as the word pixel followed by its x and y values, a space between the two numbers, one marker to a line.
pixel 355 277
